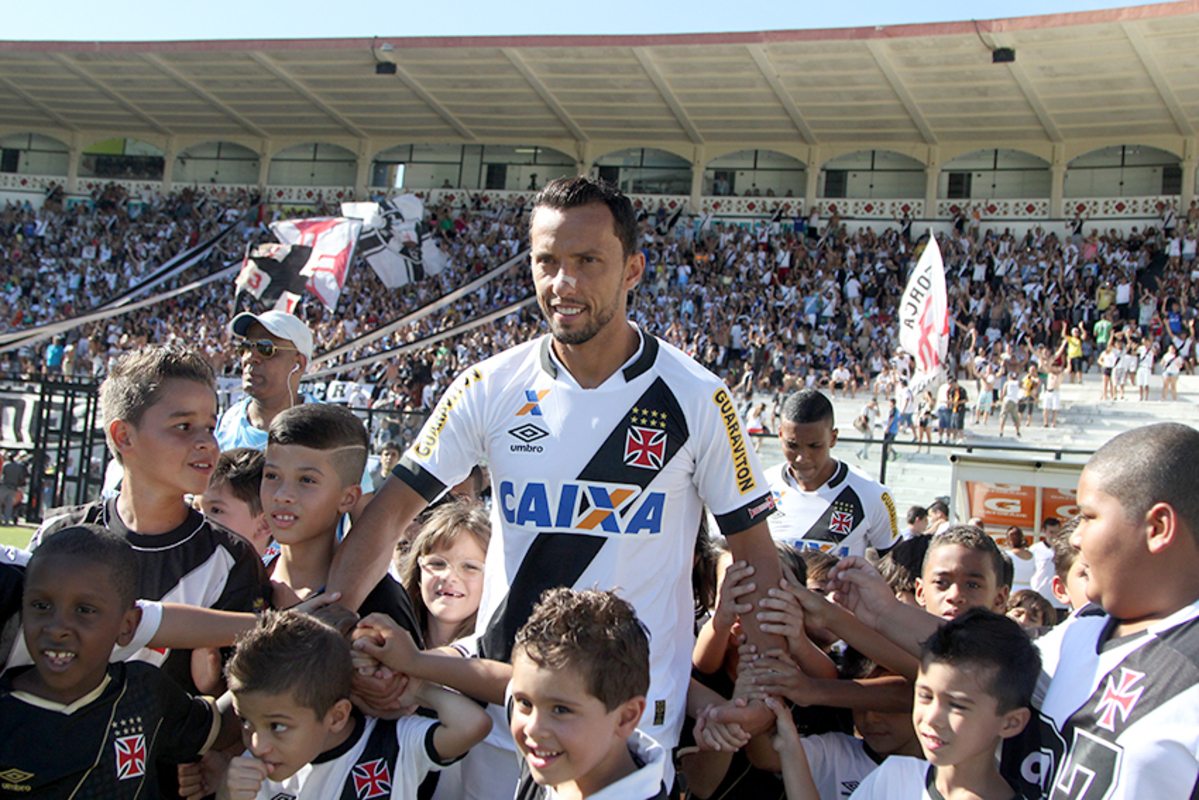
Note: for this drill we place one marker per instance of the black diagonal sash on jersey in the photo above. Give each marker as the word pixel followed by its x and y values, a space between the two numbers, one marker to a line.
pixel 559 559
pixel 1144 681
pixel 374 771
pixel 841 518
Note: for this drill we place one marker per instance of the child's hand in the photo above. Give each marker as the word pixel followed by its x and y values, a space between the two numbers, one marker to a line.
pixel 780 613
pixel 735 584
pixel 786 738
pixel 379 637
pixel 859 587
pixel 719 736
pixel 315 603
pixel 818 612
pixel 775 673
pixel 244 778
pixel 191 780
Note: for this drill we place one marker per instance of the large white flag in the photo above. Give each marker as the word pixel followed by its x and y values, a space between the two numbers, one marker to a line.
pixel 396 242
pixel 332 240
pixel 924 317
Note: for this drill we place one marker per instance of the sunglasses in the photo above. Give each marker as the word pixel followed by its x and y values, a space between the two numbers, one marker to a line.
pixel 263 347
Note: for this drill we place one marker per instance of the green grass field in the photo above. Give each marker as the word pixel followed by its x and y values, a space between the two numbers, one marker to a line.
pixel 16 535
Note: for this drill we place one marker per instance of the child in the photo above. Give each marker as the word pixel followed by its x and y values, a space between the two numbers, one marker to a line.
pixel 580 672
pixel 902 565
pixel 963 569
pixel 1069 582
pixel 73 724
pixel 290 679
pixel 232 497
pixel 315 455
pixel 159 410
pixel 1031 611
pixel 975 684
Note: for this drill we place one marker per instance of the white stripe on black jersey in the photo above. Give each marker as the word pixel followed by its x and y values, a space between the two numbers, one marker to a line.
pixel 1119 718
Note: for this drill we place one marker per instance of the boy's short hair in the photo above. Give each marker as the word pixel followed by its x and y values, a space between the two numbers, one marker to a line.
pixel 390 447
pixel 818 564
pixel 135 381
pixel 289 651
pixel 916 513
pixel 331 428
pixel 1148 465
pixel 903 564
pixel 972 538
pixel 994 648
pixel 98 546
pixel 240 468
pixel 805 406
pixel 1064 553
pixel 1031 600
pixel 594 633
pixel 940 506
pixel 792 558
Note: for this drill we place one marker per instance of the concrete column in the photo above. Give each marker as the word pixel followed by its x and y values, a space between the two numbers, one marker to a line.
pixel 932 179
pixel 168 164
pixel 584 155
pixel 697 177
pixel 362 175
pixel 1057 183
pixel 76 155
pixel 264 164
pixel 1190 158
pixel 812 178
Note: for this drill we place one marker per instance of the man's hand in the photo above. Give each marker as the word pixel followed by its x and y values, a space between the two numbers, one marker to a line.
pixel 244 779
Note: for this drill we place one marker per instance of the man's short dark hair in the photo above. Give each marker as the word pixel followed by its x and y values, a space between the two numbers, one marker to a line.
pixel 580 190
pixel 917 513
pixel 994 648
pixel 289 651
pixel 95 545
pixel 135 382
pixel 972 538
pixel 240 468
pixel 324 426
pixel 1149 465
pixel 807 405
pixel 940 506
pixel 595 633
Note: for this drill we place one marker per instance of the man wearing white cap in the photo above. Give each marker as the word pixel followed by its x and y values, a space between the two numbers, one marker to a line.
pixel 274 349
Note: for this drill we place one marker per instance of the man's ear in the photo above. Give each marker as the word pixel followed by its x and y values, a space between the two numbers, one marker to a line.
pixel 634 268
pixel 630 715
pixel 1014 722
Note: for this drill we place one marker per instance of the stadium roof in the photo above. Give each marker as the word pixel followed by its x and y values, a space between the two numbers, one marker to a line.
pixel 1121 75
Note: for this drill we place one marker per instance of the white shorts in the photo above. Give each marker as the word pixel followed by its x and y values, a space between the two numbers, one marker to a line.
pixel 1052 400
pixel 1142 376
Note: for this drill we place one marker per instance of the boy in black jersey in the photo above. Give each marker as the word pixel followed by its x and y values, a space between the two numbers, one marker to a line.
pixel 290 678
pixel 72 724
pixel 315 455
pixel 159 408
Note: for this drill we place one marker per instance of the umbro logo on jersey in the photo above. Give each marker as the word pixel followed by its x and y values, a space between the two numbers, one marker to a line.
pixel 527 434
pixel 12 780
pixel 532 406
pixel 582 507
pixel 1119 698
pixel 284 796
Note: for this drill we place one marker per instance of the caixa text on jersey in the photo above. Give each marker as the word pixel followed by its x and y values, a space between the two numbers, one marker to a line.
pixel 586 507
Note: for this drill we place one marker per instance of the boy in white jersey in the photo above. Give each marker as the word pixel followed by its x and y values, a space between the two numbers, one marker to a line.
pixel 976 679
pixel 290 680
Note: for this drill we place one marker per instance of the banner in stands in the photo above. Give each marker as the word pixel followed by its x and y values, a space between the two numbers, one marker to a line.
pixel 924 317
pixel 396 242
pixel 1021 492
pixel 273 273
pixel 332 240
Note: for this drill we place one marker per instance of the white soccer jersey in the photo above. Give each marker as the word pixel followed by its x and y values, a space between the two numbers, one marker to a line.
pixel 381 759
pixel 839 763
pixel 899 778
pixel 844 516
pixel 1119 717
pixel 598 488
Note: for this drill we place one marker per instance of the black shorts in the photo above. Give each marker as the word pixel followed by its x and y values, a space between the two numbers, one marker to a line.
pixel 1107 371
pixel 1076 364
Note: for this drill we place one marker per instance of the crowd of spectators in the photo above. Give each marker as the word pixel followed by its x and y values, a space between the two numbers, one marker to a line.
pixel 770 305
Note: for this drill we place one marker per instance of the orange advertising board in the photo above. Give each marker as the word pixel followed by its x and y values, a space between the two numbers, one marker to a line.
pixel 1060 503
pixel 1001 505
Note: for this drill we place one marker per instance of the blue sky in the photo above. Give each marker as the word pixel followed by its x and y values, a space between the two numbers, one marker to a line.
pixel 269 19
